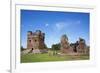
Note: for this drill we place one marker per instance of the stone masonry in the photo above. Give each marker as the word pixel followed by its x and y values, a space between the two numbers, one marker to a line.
pixel 35 40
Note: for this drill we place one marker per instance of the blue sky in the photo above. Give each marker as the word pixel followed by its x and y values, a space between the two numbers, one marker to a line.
pixel 54 24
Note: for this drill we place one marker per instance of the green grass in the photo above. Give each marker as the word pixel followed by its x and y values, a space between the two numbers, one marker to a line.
pixel 28 58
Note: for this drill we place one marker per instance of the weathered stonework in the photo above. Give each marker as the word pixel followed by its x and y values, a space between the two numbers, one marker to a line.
pixel 82 47
pixel 79 47
pixel 35 40
pixel 65 46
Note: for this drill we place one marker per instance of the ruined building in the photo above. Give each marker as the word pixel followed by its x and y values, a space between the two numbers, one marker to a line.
pixel 65 46
pixel 35 40
pixel 78 47
pixel 82 47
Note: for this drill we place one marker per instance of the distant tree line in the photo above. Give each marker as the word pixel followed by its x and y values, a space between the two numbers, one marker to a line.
pixel 56 46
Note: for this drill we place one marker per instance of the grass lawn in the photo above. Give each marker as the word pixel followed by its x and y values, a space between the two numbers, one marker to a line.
pixel 28 58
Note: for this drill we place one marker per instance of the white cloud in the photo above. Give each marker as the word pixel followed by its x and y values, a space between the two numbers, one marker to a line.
pixel 30 25
pixel 78 22
pixel 46 25
pixel 61 25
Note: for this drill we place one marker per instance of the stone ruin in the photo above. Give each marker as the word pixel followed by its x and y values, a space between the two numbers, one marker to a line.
pixel 79 47
pixel 65 46
pixel 35 42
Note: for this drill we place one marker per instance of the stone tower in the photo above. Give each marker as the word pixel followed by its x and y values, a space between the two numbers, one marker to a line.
pixel 65 46
pixel 35 40
pixel 81 48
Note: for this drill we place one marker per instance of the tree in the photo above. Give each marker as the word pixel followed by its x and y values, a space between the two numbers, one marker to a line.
pixel 56 46
pixel 22 48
